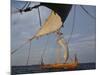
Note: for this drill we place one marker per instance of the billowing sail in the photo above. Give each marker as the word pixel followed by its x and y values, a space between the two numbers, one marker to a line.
pixel 52 24
pixel 64 45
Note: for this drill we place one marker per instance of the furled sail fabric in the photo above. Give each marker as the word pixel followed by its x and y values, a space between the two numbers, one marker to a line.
pixel 52 24
pixel 64 45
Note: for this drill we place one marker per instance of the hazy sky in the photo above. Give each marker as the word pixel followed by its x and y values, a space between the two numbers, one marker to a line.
pixel 24 26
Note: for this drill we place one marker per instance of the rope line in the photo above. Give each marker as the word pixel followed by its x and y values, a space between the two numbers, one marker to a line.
pixel 39 16
pixel 24 5
pixel 29 53
pixel 46 47
pixel 28 4
pixel 87 12
pixel 19 47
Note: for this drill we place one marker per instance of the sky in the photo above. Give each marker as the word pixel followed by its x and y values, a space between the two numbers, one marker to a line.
pixel 24 26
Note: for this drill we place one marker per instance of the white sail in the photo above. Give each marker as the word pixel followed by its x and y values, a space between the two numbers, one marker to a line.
pixel 64 45
pixel 52 24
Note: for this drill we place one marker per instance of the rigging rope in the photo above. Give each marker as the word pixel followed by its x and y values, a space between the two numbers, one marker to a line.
pixel 27 40
pixel 19 47
pixel 39 16
pixel 46 47
pixel 73 25
pixel 24 5
pixel 87 12
pixel 29 53
pixel 28 4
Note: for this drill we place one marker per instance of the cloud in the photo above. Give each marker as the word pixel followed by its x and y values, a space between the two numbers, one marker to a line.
pixel 82 45
pixel 85 48
pixel 23 27
pixel 26 25
pixel 84 41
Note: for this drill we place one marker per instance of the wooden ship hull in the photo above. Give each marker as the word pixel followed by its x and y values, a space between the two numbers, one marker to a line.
pixel 60 66
pixel 69 66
